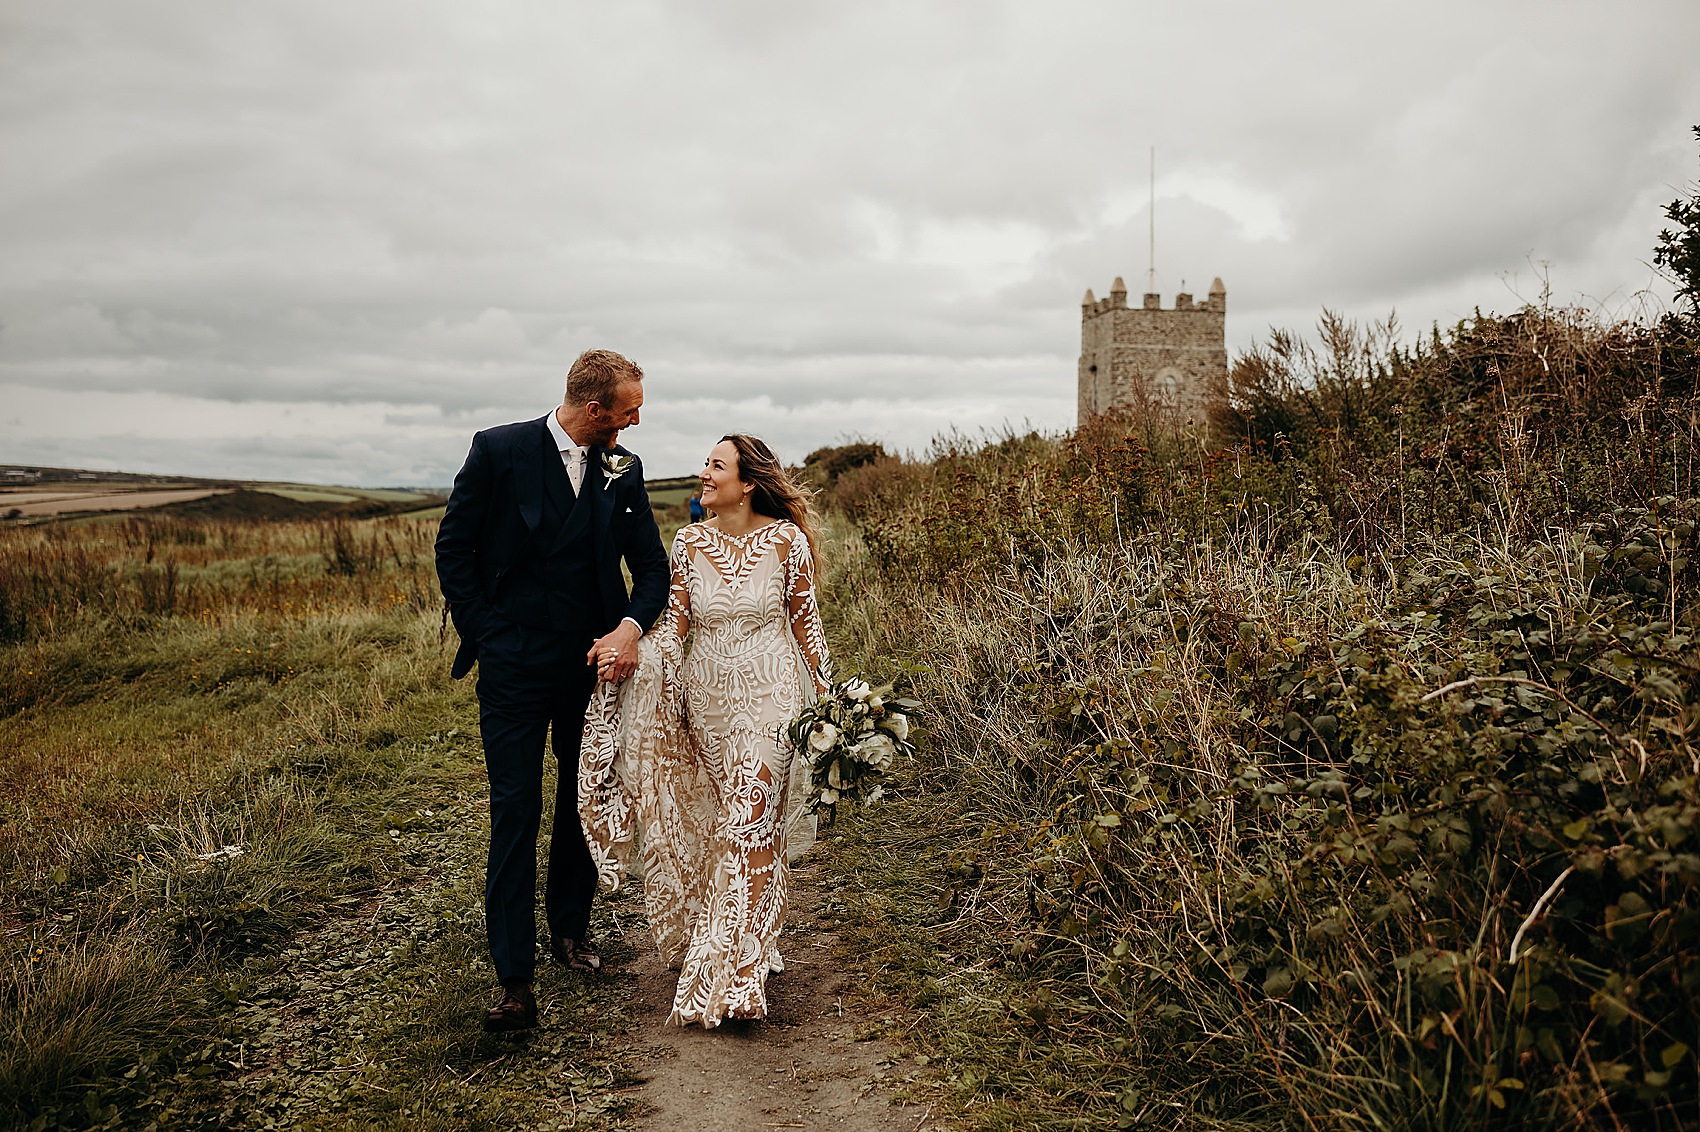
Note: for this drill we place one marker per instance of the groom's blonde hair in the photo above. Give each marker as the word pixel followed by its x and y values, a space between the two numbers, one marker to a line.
pixel 596 376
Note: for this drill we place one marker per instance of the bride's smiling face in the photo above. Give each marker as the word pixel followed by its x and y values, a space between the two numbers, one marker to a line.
pixel 721 487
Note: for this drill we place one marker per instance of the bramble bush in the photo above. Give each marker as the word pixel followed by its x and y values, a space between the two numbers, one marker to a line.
pixel 1345 761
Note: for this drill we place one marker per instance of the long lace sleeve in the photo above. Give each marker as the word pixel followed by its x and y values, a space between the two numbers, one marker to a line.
pixel 804 611
pixel 675 620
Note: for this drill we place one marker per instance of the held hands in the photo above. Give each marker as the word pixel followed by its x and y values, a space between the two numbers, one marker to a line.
pixel 615 656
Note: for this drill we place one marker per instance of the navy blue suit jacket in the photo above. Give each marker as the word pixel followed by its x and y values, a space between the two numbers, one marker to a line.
pixel 492 523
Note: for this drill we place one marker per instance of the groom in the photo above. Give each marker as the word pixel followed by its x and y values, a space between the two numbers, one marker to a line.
pixel 528 556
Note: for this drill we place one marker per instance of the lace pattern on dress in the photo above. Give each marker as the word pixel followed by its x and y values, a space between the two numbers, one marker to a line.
pixel 684 762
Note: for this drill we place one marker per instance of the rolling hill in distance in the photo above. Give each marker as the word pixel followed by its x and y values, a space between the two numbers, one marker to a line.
pixel 30 494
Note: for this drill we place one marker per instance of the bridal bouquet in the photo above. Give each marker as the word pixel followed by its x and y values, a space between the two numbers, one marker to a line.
pixel 850 736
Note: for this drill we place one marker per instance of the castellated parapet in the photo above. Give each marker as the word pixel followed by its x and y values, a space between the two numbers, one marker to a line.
pixel 1160 367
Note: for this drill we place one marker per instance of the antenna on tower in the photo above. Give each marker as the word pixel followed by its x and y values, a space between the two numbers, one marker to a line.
pixel 1151 267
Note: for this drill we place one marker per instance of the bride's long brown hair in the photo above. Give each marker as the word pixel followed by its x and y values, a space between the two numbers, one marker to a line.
pixel 776 494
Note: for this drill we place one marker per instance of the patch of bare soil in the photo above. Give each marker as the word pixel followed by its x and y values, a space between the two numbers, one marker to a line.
pixel 813 1063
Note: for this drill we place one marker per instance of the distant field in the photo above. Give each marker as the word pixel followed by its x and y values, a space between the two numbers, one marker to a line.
pixel 670 496
pixel 110 493
pixel 104 497
pixel 61 493
pixel 673 491
pixel 321 493
pixel 68 494
pixel 306 495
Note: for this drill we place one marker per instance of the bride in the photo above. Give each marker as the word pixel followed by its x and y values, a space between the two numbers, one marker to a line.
pixel 684 760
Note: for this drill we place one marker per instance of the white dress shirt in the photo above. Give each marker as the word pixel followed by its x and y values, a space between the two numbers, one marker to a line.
pixel 575 457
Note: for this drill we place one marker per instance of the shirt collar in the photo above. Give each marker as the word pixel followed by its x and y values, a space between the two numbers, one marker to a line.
pixel 563 442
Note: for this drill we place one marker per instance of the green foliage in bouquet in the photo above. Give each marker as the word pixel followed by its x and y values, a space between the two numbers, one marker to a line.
pixel 851 736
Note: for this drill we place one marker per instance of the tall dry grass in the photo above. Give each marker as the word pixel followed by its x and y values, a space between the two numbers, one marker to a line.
pixel 1273 786
pixel 205 729
pixel 55 576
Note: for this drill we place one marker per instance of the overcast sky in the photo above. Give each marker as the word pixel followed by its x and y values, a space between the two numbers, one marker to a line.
pixel 327 241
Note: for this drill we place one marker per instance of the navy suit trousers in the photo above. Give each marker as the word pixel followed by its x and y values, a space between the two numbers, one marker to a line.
pixel 532 682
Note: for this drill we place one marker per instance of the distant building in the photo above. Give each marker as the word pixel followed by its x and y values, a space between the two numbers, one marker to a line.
pixel 1159 367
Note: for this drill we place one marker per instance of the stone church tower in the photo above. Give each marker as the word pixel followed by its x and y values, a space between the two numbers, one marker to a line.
pixel 1161 367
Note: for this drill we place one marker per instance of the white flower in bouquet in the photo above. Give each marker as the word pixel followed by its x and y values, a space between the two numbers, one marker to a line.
pixel 877 751
pixel 849 738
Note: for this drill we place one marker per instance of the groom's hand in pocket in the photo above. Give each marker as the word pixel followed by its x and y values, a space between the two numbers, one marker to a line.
pixel 615 656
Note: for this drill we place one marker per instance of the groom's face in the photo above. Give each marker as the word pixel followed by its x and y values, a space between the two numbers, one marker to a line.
pixel 606 421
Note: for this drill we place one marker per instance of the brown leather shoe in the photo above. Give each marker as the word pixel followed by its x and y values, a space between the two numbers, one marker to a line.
pixel 574 954
pixel 516 1010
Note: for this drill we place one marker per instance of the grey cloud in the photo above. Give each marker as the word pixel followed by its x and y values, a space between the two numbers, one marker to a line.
pixel 432 207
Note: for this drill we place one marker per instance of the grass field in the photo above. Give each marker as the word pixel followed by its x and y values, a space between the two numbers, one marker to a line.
pixel 672 493
pixel 203 724
pixel 230 749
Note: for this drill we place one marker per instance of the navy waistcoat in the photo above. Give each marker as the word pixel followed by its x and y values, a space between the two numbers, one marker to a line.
pixel 555 585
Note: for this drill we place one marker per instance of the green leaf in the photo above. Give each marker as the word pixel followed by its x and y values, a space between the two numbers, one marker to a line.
pixel 1673 1054
pixel 1610 1008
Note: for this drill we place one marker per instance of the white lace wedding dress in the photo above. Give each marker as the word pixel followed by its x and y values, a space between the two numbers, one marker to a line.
pixel 684 762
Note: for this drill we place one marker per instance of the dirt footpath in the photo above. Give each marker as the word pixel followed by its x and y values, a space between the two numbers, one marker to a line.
pixel 801 1068
pixel 373 1021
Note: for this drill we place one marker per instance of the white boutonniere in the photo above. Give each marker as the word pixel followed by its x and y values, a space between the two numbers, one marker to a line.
pixel 615 465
